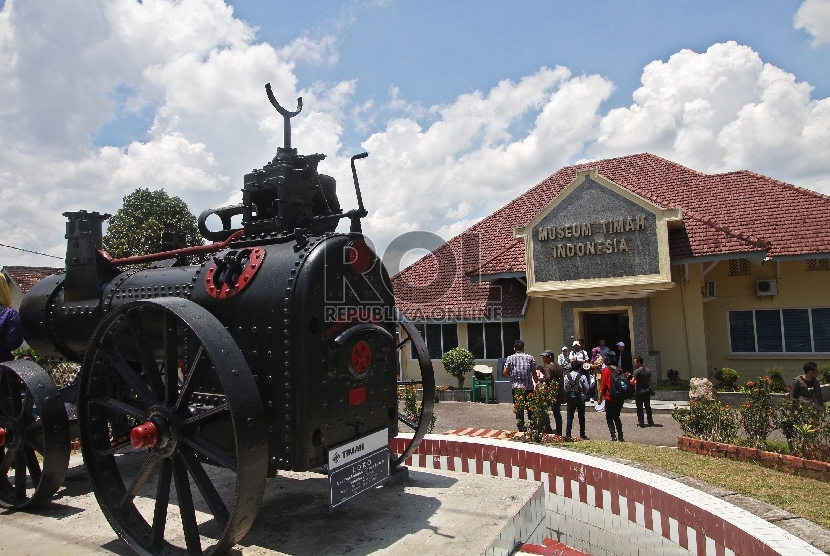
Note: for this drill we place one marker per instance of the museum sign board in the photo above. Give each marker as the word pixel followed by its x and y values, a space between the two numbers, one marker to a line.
pixel 598 237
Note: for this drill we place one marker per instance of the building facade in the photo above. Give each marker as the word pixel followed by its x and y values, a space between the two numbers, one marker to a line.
pixel 694 272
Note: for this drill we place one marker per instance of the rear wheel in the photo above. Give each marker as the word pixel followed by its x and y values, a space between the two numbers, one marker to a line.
pixel 34 435
pixel 421 426
pixel 167 399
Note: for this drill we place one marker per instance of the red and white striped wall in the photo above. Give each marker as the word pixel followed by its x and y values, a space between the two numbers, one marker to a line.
pixel 607 508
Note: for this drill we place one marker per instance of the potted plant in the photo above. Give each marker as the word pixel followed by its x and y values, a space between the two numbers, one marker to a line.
pixel 458 362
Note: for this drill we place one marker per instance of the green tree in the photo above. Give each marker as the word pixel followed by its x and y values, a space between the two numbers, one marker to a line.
pixel 137 227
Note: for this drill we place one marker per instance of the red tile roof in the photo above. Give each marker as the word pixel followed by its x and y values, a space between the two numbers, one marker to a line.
pixel 26 276
pixel 744 212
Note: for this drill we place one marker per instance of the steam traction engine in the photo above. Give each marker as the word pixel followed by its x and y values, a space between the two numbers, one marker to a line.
pixel 278 353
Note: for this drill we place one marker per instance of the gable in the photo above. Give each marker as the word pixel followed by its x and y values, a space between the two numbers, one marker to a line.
pixel 598 236
pixel 595 233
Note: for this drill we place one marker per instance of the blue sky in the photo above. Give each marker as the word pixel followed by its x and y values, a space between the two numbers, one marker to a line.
pixel 462 106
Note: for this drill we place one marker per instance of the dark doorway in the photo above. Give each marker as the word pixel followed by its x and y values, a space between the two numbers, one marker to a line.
pixel 612 327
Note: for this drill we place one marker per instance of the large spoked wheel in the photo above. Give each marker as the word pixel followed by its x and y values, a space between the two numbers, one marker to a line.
pixel 34 435
pixel 167 398
pixel 422 425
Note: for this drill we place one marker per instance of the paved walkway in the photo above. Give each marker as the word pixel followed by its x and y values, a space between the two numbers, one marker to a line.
pixel 462 415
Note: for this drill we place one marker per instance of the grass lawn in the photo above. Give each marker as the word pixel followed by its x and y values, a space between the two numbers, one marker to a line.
pixel 802 496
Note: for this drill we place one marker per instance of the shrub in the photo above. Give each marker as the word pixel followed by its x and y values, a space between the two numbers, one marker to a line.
pixel 458 362
pixel 727 378
pixel 802 425
pixel 824 371
pixel 411 407
pixel 757 412
pixel 776 375
pixel 673 375
pixel 708 421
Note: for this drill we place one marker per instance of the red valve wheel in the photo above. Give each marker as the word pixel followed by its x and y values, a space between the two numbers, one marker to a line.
pixel 144 436
pixel 361 357
pixel 2 437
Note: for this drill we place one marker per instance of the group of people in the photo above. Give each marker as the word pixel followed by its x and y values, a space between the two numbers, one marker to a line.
pixel 575 373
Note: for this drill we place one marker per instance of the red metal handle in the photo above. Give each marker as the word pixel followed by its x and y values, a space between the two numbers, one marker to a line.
pixel 197 250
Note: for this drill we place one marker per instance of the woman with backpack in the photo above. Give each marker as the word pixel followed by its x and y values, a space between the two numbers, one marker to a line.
pixel 576 388
pixel 614 395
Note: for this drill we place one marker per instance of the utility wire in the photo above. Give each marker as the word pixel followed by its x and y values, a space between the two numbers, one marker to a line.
pixel 28 251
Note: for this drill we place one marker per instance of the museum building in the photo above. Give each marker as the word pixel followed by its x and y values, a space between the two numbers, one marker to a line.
pixel 692 271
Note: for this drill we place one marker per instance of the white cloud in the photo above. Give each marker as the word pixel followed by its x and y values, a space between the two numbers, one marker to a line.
pixel 814 17
pixel 467 163
pixel 306 49
pixel 190 63
pixel 199 73
pixel 724 110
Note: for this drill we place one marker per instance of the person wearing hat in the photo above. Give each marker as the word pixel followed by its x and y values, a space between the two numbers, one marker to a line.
pixel 578 355
pixel 564 357
pixel 554 372
pixel 624 358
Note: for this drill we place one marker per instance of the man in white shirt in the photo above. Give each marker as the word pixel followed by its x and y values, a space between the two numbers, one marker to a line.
pixel 563 358
pixel 578 355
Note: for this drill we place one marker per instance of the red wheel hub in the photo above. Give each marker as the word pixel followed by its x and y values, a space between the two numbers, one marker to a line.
pixel 2 436
pixel 144 436
pixel 361 357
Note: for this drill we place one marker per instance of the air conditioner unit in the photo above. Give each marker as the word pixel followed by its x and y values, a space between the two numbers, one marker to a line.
pixel 766 287
pixel 709 290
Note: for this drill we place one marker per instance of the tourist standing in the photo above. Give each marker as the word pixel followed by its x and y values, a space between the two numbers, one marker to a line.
pixel 806 387
pixel 576 388
pixel 613 405
pixel 520 368
pixel 603 349
pixel 555 373
pixel 642 391
pixel 624 358
pixel 564 357
pixel 578 355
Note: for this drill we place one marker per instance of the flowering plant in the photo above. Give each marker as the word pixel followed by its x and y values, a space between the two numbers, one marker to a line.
pixel 519 406
pixel 758 411
pixel 411 407
pixel 708 420
pixel 538 401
